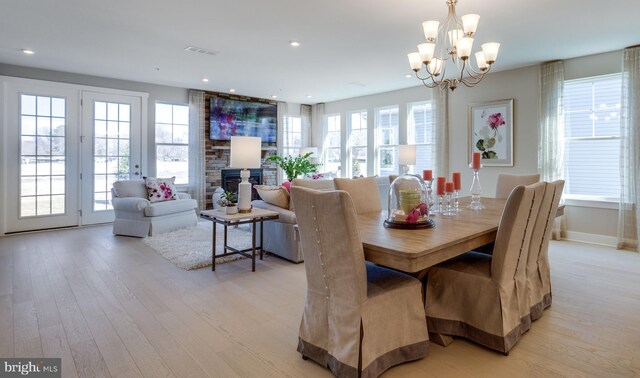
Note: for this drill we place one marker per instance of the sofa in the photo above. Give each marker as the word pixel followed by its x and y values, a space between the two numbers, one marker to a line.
pixel 281 235
pixel 136 216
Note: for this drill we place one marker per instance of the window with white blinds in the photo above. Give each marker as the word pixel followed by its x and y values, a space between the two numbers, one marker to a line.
pixel 592 137
pixel 292 132
pixel 357 156
pixel 420 133
pixel 332 154
pixel 387 124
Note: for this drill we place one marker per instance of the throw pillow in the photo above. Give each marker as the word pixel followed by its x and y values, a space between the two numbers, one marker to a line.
pixel 161 189
pixel 287 185
pixel 275 195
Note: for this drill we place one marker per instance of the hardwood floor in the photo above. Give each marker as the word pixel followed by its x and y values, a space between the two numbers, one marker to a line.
pixel 110 306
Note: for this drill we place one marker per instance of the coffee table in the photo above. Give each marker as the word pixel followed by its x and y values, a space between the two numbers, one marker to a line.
pixel 254 217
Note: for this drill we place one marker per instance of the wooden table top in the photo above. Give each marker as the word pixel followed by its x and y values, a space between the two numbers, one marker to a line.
pixel 415 250
pixel 220 214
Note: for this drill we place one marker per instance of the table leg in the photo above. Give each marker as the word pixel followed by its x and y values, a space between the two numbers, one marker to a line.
pixel 253 246
pixel 261 238
pixel 213 249
pixel 224 249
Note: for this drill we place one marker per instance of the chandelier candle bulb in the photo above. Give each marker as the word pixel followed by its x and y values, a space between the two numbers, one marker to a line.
pixel 430 29
pixel 470 23
pixel 427 174
pixel 456 181
pixel 475 163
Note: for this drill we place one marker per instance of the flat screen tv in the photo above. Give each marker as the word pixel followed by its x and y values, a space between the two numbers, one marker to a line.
pixel 242 118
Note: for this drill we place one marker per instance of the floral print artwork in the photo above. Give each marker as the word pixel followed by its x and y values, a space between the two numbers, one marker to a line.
pixel 491 132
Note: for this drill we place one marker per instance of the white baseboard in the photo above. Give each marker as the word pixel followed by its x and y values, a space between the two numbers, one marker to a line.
pixel 583 237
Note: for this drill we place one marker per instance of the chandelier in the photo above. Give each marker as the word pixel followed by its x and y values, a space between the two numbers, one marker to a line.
pixel 449 46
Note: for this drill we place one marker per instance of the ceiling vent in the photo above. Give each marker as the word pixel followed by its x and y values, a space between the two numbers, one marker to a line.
pixel 200 50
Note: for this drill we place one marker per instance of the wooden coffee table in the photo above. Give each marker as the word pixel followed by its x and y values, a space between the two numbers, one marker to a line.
pixel 254 217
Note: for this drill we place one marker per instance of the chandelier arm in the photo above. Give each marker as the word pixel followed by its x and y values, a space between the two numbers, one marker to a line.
pixel 474 80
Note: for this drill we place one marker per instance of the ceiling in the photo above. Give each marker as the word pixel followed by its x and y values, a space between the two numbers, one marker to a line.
pixel 348 48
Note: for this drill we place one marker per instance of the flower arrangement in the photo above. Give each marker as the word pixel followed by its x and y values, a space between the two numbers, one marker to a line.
pixel 489 135
pixel 294 166
pixel 228 199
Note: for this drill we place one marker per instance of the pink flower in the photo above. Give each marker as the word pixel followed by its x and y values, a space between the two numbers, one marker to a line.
pixel 423 208
pixel 413 216
pixel 495 120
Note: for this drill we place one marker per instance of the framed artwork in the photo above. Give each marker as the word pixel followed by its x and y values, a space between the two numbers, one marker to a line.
pixel 491 132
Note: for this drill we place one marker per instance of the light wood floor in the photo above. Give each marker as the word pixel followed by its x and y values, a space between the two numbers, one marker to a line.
pixel 110 306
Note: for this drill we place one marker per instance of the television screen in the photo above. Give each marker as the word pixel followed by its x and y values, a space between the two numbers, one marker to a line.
pixel 241 118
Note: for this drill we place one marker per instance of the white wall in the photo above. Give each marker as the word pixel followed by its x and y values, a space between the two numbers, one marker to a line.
pixel 523 86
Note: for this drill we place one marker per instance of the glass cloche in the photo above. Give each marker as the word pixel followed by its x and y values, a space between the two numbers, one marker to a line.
pixel 408 203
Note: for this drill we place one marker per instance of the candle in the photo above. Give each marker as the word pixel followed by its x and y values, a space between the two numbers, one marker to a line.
pixel 449 187
pixel 440 188
pixel 456 180
pixel 476 161
pixel 427 174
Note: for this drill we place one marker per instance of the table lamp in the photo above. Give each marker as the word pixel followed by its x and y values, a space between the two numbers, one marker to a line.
pixel 314 153
pixel 245 153
pixel 407 156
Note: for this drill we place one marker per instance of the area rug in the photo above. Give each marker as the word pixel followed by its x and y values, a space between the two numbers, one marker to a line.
pixel 190 248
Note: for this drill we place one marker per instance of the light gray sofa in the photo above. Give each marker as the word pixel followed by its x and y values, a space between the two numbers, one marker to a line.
pixel 136 216
pixel 281 235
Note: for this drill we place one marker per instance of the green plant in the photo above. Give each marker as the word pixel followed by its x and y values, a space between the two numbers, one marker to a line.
pixel 228 198
pixel 294 166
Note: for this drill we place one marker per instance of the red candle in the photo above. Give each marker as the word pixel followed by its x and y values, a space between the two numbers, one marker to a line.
pixel 449 187
pixel 456 180
pixel 475 164
pixel 427 174
pixel 440 187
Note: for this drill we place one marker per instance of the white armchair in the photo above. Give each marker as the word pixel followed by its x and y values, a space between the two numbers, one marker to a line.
pixel 137 216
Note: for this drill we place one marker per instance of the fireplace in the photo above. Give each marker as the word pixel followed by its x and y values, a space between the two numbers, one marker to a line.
pixel 230 178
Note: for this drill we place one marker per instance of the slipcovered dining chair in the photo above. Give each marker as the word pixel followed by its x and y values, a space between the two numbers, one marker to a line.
pixel 359 319
pixel 538 270
pixel 363 191
pixel 476 295
pixel 507 182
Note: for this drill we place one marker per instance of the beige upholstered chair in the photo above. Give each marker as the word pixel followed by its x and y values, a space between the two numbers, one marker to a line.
pixel 475 295
pixel 363 191
pixel 538 271
pixel 506 183
pixel 359 319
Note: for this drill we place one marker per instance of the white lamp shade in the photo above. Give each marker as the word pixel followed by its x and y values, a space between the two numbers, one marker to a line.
pixel 470 23
pixel 426 51
pixel 430 29
pixel 245 152
pixel 490 51
pixel 407 154
pixel 464 47
pixel 306 150
pixel 482 64
pixel 435 66
pixel 454 36
pixel 414 61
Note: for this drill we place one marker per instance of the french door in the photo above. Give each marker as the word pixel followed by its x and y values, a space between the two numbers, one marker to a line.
pixel 110 150
pixel 42 157
pixel 64 148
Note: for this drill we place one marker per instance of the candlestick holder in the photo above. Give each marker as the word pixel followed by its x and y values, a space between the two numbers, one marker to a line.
pixel 456 201
pixel 448 207
pixel 476 192
pixel 439 206
pixel 429 184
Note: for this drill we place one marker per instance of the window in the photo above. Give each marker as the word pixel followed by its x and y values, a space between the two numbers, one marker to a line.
pixel 357 148
pixel 420 131
pixel 292 136
pixel 332 155
pixel 172 142
pixel 592 137
pixel 387 141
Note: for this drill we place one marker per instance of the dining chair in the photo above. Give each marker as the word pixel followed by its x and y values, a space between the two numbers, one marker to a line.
pixel 359 319
pixel 507 182
pixel 364 192
pixel 538 270
pixel 476 295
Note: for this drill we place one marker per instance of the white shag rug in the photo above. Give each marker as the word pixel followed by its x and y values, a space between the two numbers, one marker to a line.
pixel 190 248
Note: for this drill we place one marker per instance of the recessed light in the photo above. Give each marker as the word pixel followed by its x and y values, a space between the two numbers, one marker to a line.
pixel 294 43
pixel 309 96
pixel 232 90
pixel 28 52
pixel 205 80
pixel 274 96
pixel 408 76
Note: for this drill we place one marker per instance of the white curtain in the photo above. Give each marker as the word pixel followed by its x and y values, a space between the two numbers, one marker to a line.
pixel 197 179
pixel 440 137
pixel 628 216
pixel 317 130
pixel 551 130
pixel 305 115
pixel 283 109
